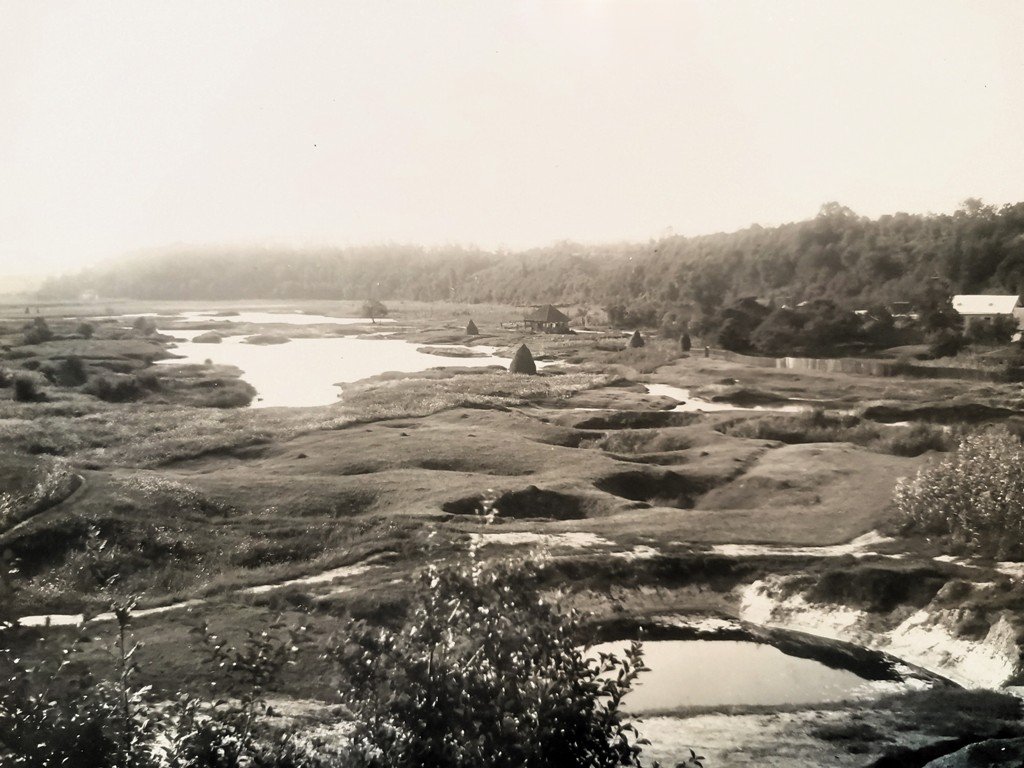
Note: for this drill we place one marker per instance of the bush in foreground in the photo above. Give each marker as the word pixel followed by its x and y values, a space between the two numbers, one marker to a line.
pixel 54 715
pixel 486 672
pixel 975 496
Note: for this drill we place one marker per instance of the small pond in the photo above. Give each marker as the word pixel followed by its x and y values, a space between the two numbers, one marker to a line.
pixel 702 673
pixel 306 371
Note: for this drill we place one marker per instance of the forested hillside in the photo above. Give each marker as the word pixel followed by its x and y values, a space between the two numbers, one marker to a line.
pixel 838 255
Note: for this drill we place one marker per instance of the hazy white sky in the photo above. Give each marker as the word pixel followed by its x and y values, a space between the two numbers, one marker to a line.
pixel 130 124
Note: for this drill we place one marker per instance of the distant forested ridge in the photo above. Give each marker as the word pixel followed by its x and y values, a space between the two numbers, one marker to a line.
pixel 840 256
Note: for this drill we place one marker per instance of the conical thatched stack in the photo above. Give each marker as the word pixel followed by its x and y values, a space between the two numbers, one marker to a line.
pixel 471 329
pixel 522 361
pixel 636 340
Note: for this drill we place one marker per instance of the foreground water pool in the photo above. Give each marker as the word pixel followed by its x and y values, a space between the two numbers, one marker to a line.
pixel 703 673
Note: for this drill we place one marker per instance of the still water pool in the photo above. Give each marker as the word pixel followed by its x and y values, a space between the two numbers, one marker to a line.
pixel 691 673
pixel 305 372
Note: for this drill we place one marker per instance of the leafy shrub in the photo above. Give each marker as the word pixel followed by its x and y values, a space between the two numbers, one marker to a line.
pixel 38 331
pixel 86 330
pixel 71 372
pixel 994 330
pixel 52 715
pixel 945 344
pixel 818 426
pixel 485 672
pixel 45 484
pixel 148 380
pixel 115 388
pixel 27 389
pixel 914 440
pixel 975 496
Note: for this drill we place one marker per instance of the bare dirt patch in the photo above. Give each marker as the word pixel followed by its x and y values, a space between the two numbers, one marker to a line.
pixel 531 502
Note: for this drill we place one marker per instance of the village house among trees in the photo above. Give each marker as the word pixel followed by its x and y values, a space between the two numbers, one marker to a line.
pixel 976 307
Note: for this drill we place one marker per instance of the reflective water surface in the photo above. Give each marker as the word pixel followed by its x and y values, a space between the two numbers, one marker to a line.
pixel 689 673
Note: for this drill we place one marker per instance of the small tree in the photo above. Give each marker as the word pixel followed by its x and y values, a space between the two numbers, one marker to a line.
pixel 374 309
pixel 522 361
pixel 471 329
pixel 85 330
pixel 636 340
pixel 485 672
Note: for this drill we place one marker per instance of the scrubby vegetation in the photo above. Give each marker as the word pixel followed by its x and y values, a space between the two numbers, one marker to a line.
pixel 28 485
pixel 483 672
pixel 38 331
pixel 53 714
pixel 818 426
pixel 27 388
pixel 973 498
pixel 486 672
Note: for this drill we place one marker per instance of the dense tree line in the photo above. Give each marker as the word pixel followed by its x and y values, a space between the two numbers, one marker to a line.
pixel 839 256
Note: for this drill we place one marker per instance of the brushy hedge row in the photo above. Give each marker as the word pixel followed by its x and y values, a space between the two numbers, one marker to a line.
pixel 975 496
pixel 818 426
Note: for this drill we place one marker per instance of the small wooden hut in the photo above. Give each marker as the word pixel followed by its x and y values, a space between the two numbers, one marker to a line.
pixel 547 319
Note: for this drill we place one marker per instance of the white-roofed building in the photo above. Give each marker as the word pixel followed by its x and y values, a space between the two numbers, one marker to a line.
pixel 987 306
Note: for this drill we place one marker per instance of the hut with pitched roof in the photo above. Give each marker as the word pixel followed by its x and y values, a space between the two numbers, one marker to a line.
pixel 547 319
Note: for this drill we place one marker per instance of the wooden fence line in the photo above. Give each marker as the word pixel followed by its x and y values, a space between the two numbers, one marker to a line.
pixel 869 367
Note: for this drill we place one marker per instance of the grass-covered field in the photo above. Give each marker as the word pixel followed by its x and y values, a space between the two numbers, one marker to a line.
pixel 198 498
